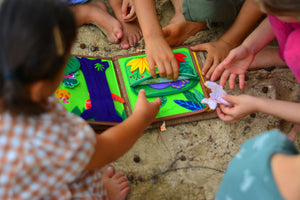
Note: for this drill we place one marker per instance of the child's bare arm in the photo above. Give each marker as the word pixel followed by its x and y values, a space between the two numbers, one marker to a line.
pixel 158 51
pixel 247 18
pixel 246 104
pixel 116 141
pixel 240 58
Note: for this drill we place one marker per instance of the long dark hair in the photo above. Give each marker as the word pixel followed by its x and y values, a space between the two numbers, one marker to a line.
pixel 35 39
pixel 281 7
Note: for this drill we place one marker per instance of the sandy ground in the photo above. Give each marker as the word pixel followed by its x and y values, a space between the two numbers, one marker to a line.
pixel 188 160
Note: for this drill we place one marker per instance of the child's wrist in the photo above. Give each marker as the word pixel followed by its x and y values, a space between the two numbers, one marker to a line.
pixel 228 43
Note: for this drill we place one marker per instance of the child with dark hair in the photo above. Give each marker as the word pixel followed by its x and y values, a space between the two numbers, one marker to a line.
pixel 267 166
pixel 46 152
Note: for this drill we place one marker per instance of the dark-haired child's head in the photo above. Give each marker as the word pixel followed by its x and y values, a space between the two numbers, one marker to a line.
pixel 35 41
pixel 288 10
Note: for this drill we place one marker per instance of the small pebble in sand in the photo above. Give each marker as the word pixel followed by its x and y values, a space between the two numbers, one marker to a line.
pixel 140 178
pixel 136 159
pixel 82 46
pixel 265 89
pixel 94 48
pixel 107 49
pixel 253 115
pixel 182 158
pixel 130 178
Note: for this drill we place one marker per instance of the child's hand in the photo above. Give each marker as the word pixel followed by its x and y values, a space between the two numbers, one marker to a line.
pixel 236 63
pixel 216 53
pixel 159 54
pixel 146 109
pixel 128 11
pixel 242 106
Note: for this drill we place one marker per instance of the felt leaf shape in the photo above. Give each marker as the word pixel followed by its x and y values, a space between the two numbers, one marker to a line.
pixel 199 95
pixel 189 105
pixel 163 100
pixel 138 63
pixel 73 65
pixel 185 68
pixel 191 97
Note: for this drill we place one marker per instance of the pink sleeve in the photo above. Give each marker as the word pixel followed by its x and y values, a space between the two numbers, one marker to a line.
pixel 292 53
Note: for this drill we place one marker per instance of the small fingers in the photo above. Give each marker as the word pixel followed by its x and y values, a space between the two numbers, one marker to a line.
pixel 175 69
pixel 212 68
pixel 161 70
pixel 169 70
pixel 218 71
pixel 232 81
pixel 152 68
pixel 124 8
pixel 242 81
pixel 131 15
pixel 224 115
pixel 208 62
pixel 199 47
pixel 224 77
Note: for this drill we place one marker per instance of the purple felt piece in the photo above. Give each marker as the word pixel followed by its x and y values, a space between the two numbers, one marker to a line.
pixel 179 83
pixel 159 86
pixel 175 84
pixel 103 108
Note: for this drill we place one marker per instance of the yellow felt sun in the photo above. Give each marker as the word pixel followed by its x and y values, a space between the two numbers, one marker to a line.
pixel 138 63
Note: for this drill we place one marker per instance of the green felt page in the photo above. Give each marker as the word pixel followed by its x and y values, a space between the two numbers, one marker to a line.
pixel 174 101
pixel 76 99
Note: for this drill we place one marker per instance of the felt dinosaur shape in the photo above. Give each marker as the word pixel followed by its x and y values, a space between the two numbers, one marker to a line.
pixel 215 95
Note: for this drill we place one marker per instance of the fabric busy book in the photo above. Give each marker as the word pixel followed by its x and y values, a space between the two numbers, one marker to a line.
pixel 104 91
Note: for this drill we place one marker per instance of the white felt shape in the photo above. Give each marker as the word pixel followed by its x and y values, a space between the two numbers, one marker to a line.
pixel 215 95
pixel 212 104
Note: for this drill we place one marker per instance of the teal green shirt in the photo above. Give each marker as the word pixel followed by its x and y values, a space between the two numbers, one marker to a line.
pixel 249 175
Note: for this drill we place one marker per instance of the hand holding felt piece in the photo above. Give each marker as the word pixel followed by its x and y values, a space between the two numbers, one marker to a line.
pixel 215 95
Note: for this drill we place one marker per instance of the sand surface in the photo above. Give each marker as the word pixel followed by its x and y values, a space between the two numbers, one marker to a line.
pixel 188 160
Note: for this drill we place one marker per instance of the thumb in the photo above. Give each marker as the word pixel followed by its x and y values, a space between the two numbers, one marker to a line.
pixel 229 58
pixel 199 47
pixel 142 94
pixel 157 101
pixel 230 98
